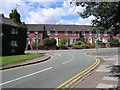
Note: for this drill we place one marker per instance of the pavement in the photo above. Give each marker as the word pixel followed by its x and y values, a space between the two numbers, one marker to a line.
pixel 28 62
pixel 100 77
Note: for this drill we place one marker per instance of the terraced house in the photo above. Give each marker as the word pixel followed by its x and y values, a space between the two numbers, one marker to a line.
pixel 72 32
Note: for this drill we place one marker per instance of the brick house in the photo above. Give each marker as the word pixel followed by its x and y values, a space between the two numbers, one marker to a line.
pixel 72 32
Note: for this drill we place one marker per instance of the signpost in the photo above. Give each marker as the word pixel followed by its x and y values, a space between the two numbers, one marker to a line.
pixel 97 42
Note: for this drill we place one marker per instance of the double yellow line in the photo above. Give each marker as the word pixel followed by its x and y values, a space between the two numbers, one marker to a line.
pixel 69 82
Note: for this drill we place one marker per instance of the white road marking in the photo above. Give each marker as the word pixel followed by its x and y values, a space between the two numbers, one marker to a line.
pixel 66 62
pixel 110 78
pixel 103 68
pixel 69 60
pixel 25 76
pixel 101 85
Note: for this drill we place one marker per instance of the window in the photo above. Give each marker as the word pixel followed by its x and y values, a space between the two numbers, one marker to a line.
pixel 66 33
pixel 73 33
pixel 36 33
pixel 14 31
pixel 83 32
pixel 73 41
pixel 33 40
pixel 105 40
pixel 14 43
pixel 48 32
pixel 97 34
pixel 56 32
pixel 105 33
pixel 90 33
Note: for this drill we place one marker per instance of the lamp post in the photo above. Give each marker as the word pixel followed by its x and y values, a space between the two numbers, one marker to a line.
pixel 37 37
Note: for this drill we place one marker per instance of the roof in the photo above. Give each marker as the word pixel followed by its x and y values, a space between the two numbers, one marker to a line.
pixel 54 27
pixel 4 20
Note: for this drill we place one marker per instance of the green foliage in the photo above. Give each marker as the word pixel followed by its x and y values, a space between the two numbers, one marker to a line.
pixel 80 43
pixel 63 41
pixel 49 42
pixel 106 13
pixel 14 15
pixel 8 37
pixel 34 46
pixel 63 46
pixel 114 43
pixel 17 58
pixel 77 47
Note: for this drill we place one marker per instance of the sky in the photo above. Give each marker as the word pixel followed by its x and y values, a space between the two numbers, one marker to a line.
pixel 46 11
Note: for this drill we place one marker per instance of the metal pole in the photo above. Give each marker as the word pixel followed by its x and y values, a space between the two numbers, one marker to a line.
pixel 37 44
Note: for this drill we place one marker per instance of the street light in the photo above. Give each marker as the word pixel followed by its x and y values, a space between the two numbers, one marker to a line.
pixel 37 37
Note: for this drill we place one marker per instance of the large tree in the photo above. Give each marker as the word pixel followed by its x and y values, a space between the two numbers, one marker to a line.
pixel 107 14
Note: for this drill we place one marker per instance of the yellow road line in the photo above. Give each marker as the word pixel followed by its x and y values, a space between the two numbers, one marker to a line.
pixel 79 75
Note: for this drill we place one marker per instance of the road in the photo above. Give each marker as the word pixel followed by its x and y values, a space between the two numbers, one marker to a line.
pixel 63 65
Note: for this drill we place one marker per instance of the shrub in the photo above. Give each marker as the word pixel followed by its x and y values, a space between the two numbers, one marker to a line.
pixel 77 47
pixel 63 41
pixel 49 42
pixel 70 45
pixel 63 47
pixel 34 46
pixel 41 47
pixel 80 43
pixel 114 43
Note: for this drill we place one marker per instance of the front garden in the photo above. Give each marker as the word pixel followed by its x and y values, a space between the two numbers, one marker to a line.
pixel 50 44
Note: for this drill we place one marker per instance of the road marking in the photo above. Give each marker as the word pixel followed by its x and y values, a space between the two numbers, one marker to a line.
pixel 26 76
pixel 66 62
pixel 69 60
pixel 110 78
pixel 101 85
pixel 79 75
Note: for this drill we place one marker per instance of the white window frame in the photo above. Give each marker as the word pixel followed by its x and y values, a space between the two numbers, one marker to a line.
pixel 66 33
pixel 83 32
pixel 71 41
pixel 48 32
pixel 56 32
pixel 105 33
pixel 105 40
pixel 14 31
pixel 14 43
pixel 90 33
pixel 73 33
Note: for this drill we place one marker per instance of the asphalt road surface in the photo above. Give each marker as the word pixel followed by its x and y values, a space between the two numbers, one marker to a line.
pixel 63 65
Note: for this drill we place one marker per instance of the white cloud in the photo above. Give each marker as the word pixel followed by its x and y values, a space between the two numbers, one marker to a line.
pixel 47 15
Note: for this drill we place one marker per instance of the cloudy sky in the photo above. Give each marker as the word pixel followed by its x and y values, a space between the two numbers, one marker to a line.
pixel 46 11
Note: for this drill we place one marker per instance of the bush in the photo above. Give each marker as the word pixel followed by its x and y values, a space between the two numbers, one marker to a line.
pixel 63 41
pixel 114 43
pixel 70 45
pixel 41 47
pixel 49 42
pixel 80 43
pixel 63 47
pixel 77 47
pixel 34 46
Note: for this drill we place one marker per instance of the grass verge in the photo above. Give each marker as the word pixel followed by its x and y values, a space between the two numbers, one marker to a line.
pixel 5 60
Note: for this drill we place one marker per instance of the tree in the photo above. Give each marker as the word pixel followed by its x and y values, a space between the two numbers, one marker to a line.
pixel 15 16
pixel 107 14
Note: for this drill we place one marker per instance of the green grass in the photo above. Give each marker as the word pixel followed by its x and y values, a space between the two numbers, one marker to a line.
pixel 5 60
